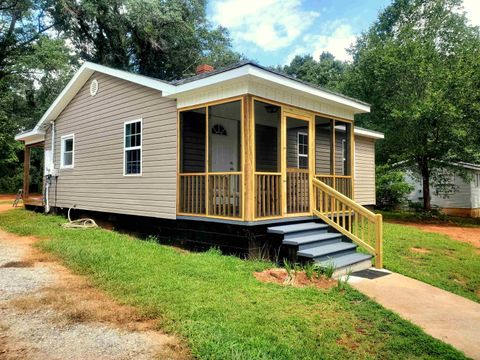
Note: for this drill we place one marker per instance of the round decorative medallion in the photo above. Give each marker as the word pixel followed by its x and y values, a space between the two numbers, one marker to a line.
pixel 94 87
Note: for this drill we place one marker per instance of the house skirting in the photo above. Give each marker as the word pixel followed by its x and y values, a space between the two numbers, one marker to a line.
pixel 462 212
pixel 245 240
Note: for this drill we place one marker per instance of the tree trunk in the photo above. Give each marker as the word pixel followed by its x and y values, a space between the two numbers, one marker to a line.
pixel 425 172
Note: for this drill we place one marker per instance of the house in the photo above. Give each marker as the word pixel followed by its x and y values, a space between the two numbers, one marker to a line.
pixel 234 157
pixel 461 199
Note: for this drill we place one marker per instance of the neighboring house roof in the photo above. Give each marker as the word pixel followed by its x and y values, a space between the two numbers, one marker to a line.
pixel 368 133
pixel 463 164
pixel 173 89
pixel 468 165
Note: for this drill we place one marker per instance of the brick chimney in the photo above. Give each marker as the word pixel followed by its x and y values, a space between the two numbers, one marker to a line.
pixel 204 68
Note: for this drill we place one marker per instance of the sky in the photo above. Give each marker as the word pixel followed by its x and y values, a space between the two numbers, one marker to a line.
pixel 272 32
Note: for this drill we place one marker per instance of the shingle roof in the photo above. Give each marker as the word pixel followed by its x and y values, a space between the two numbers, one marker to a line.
pixel 248 62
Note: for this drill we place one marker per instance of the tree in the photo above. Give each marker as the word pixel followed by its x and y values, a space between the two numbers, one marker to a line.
pixel 163 39
pixel 327 72
pixel 419 68
pixel 34 65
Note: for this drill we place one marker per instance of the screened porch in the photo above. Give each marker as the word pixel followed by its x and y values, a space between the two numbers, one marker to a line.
pixel 249 158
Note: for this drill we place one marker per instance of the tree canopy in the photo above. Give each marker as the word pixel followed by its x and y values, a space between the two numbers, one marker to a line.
pixel 163 39
pixel 42 43
pixel 418 66
pixel 327 71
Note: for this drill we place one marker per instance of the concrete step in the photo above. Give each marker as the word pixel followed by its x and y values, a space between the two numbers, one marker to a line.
pixel 297 228
pixel 348 261
pixel 312 240
pixel 330 250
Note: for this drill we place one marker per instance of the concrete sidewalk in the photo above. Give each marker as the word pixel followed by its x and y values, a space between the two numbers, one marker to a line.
pixel 445 316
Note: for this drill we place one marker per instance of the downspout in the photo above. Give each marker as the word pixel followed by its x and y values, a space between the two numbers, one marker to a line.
pixel 49 176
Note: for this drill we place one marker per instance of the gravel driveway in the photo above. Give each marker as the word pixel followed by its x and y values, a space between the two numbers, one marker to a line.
pixel 46 312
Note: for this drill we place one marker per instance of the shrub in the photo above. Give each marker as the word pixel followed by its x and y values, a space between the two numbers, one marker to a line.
pixel 391 187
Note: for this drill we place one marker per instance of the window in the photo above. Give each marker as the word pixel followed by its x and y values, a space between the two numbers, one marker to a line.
pixel 478 180
pixel 67 150
pixel 302 150
pixel 133 148
pixel 218 129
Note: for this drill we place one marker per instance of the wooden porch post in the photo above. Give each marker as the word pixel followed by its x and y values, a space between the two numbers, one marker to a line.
pixel 26 171
pixel 249 160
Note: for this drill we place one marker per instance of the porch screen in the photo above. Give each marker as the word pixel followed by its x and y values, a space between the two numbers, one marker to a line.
pixel 267 137
pixel 224 140
pixel 192 138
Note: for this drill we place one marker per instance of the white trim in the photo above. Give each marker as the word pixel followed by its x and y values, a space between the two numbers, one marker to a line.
pixel 31 137
pixel 133 147
pixel 62 150
pixel 298 148
pixel 249 70
pixel 368 133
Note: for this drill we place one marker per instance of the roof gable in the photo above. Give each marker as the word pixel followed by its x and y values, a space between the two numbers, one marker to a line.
pixel 172 89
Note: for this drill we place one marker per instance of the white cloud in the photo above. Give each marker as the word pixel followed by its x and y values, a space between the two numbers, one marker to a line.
pixel 268 24
pixel 472 10
pixel 336 38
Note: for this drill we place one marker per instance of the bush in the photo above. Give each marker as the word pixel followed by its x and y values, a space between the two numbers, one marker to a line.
pixel 391 187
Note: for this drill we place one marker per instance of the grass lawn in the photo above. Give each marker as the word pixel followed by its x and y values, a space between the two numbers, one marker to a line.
pixel 220 309
pixel 441 261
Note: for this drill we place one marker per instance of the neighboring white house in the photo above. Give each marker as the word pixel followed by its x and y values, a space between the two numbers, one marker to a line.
pixel 464 200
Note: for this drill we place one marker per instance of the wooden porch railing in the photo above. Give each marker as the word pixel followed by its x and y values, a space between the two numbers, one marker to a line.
pixel 341 183
pixel 298 199
pixel 268 190
pixel 192 193
pixel 225 194
pixel 351 219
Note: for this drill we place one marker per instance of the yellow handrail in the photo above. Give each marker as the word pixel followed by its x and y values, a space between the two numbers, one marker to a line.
pixel 349 218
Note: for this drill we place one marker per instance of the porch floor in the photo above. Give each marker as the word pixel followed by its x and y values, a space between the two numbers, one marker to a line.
pixel 248 223
pixel 33 200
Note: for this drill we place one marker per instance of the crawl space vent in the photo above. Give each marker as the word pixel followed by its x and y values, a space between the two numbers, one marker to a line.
pixel 94 87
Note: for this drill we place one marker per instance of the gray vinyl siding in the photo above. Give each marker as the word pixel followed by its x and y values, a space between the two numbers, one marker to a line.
pixel 97 182
pixel 323 156
pixel 364 185
pixel 462 198
pixel 476 191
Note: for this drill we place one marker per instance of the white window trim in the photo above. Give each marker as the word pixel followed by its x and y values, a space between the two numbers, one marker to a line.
pixel 298 148
pixel 133 147
pixel 62 150
pixel 344 155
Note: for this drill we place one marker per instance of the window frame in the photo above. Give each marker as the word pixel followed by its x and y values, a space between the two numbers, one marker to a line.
pixel 301 133
pixel 125 149
pixel 62 151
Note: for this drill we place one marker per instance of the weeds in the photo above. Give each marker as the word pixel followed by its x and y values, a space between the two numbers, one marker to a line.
pixel 343 281
pixel 309 269
pixel 291 271
pixel 327 270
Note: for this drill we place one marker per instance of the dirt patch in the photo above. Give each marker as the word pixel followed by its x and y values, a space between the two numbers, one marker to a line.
pixel 470 235
pixel 419 250
pixel 17 264
pixel 300 279
pixel 6 207
pixel 47 312
pixel 7 197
